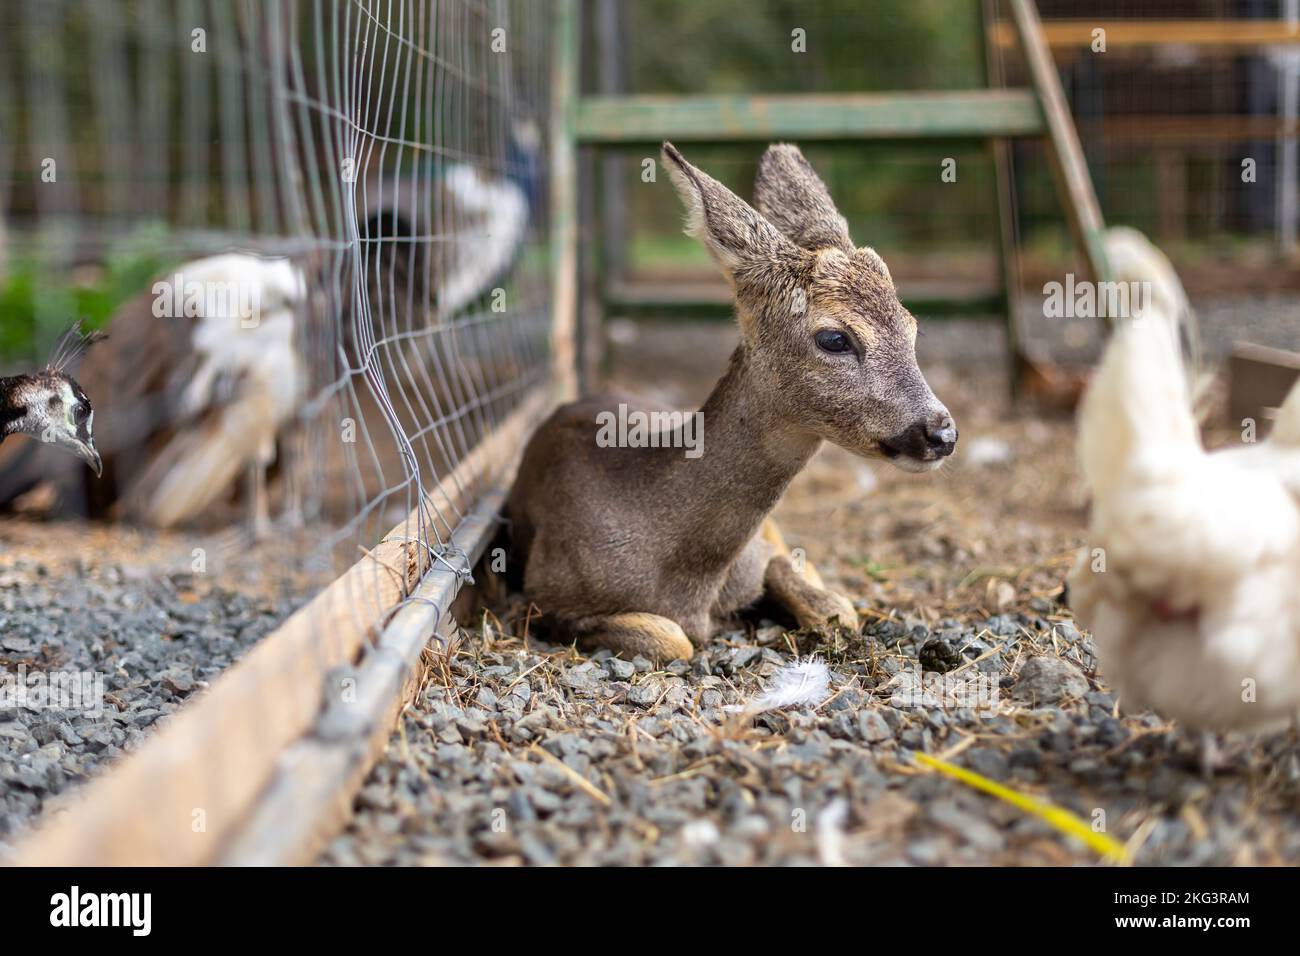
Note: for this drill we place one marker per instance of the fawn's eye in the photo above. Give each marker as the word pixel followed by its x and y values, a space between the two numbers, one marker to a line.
pixel 831 340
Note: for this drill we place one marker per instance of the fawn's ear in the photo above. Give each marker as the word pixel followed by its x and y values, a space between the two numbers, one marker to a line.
pixel 730 228
pixel 795 200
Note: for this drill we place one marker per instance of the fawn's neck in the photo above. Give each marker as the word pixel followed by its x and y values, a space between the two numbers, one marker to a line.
pixel 750 456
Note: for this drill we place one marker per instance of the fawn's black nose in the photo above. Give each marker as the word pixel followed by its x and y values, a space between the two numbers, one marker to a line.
pixel 926 440
pixel 941 437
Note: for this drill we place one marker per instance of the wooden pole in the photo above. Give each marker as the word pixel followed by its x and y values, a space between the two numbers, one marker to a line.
pixel 1068 164
pixel 648 119
pixel 608 259
pixel 610 57
pixel 1004 184
pixel 1208 34
pixel 564 197
pixel 1288 145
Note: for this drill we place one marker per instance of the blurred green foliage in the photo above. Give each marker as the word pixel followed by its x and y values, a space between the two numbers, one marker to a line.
pixel 746 46
pixel 891 193
pixel 41 295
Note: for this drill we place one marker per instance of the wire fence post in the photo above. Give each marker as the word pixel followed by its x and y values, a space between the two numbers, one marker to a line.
pixel 564 197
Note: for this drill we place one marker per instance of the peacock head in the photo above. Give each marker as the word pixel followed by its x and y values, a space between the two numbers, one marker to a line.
pixel 50 406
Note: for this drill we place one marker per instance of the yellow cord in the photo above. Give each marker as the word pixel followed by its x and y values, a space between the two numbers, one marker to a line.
pixel 1064 821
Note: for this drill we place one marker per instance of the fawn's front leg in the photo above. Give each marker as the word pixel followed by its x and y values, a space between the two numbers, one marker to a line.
pixel 801 592
pixel 812 606
pixel 771 533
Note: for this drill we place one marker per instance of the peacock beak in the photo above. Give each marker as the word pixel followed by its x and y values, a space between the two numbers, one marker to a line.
pixel 88 453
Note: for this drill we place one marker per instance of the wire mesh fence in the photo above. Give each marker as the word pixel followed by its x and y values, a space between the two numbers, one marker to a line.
pixel 1189 137
pixel 315 232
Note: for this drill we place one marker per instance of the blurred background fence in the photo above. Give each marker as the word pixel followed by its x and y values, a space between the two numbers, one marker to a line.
pixel 1169 108
pixel 391 152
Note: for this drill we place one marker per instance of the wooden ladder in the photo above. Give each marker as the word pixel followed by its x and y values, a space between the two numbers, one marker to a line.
pixel 995 115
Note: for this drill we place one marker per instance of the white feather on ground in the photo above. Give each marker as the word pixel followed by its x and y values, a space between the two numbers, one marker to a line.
pixel 1196 613
pixel 803 683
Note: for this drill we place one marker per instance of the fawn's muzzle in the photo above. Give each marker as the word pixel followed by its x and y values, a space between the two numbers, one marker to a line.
pixel 927 440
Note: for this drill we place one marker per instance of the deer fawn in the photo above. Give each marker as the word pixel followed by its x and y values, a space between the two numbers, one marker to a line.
pixel 647 550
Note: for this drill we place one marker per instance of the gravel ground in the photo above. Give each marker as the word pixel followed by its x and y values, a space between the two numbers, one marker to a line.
pixel 522 752
pixel 108 603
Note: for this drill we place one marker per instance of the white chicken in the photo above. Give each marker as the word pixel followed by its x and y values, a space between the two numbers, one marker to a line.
pixel 1190 582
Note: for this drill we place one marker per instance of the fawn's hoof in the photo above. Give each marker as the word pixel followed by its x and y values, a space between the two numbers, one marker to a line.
pixel 827 606
pixel 656 638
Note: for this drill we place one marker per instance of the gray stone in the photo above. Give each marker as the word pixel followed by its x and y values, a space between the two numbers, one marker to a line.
pixel 620 669
pixel 1049 680
pixel 849 698
pixel 873 727
pixel 988 762
pixel 645 694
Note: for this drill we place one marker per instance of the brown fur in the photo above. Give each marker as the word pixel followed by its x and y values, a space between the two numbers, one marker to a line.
pixel 632 546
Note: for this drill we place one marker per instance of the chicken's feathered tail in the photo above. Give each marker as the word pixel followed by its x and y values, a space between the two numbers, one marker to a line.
pixel 1136 259
pixel 1137 411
